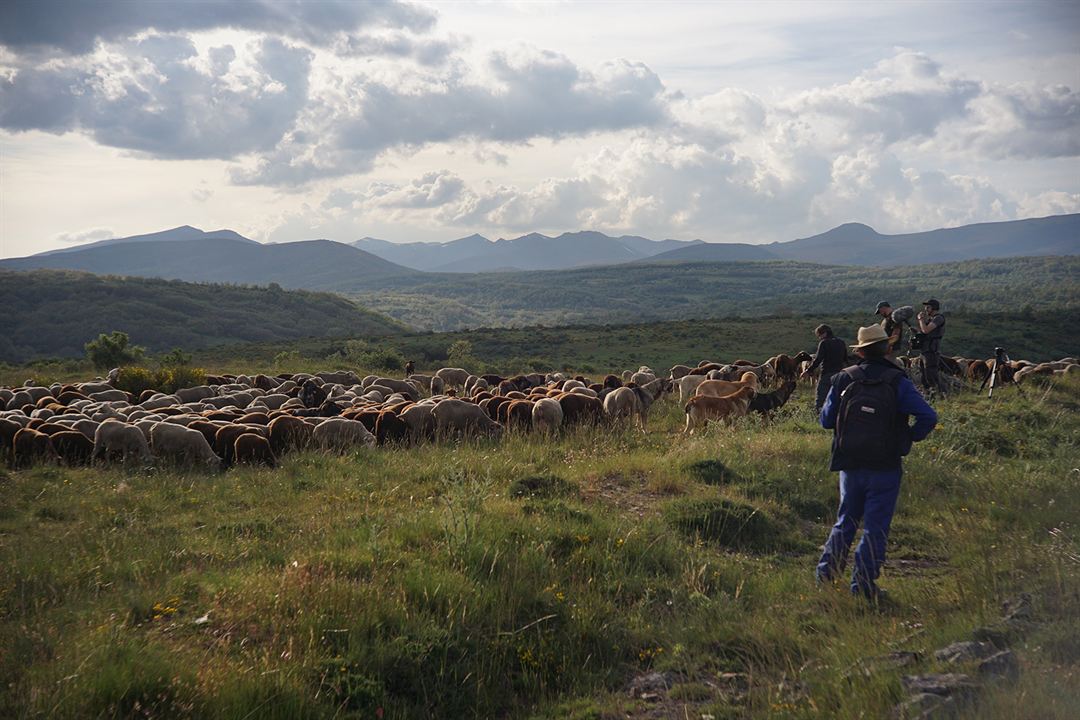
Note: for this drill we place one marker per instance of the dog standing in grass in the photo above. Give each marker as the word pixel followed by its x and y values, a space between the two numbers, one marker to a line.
pixel 867 408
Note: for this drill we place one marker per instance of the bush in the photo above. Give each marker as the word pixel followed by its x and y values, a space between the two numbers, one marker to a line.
pixel 712 472
pixel 175 358
pixel 112 350
pixel 135 379
pixel 171 379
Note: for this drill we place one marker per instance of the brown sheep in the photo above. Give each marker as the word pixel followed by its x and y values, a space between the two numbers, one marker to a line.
pixel 253 449
pixel 8 428
pixel 389 428
pixel 518 415
pixel 703 408
pixel 207 428
pixel 581 409
pixel 30 446
pixel 720 388
pixel 72 447
pixel 289 433
pixel 254 418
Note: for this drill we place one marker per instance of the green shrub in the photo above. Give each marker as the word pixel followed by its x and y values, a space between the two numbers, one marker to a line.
pixel 112 350
pixel 135 380
pixel 171 379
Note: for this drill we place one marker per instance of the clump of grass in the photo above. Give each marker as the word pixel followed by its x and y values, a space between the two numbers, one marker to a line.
pixel 712 472
pixel 540 486
pixel 729 522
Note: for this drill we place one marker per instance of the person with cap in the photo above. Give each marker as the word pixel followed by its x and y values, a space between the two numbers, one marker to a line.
pixel 932 323
pixel 831 356
pixel 869 407
pixel 893 328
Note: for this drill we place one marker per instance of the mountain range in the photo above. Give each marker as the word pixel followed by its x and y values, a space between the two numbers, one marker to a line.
pixel 190 254
pixel 534 251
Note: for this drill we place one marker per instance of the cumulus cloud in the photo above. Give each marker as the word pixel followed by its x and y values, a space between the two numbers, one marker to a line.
pixel 902 97
pixel 156 98
pixel 74 26
pixel 537 94
pixel 1020 121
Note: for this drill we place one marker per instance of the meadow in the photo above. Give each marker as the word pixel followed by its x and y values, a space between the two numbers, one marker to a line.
pixel 539 578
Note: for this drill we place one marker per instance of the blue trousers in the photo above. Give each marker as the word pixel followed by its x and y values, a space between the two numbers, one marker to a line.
pixel 867 497
pixel 824 384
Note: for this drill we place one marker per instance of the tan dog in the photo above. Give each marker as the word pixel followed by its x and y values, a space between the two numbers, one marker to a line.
pixel 722 388
pixel 703 408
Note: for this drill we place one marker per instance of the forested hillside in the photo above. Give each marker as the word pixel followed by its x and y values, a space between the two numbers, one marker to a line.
pixel 667 291
pixel 54 313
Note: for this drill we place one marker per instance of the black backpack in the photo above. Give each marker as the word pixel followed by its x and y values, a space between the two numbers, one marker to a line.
pixel 868 422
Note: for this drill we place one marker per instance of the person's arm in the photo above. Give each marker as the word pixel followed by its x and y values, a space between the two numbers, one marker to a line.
pixel 927 323
pixel 910 402
pixel 819 356
pixel 830 409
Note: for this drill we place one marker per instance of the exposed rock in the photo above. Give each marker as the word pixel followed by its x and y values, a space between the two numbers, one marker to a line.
pixel 924 706
pixel 1000 665
pixel 652 686
pixel 950 684
pixel 965 651
pixel 998 636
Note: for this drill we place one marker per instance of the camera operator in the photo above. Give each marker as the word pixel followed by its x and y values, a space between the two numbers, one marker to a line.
pixel 932 324
pixel 894 328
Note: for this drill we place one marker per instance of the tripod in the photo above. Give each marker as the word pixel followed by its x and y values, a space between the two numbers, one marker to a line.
pixel 996 373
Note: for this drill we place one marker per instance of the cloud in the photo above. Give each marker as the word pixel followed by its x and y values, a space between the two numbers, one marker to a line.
pixel 535 94
pixel 74 26
pixel 1020 121
pixel 398 44
pixel 84 236
pixel 902 97
pixel 155 98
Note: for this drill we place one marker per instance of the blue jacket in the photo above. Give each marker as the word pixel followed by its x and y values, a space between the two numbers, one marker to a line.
pixel 908 401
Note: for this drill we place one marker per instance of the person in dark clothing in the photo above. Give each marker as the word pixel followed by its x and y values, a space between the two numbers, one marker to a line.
pixel 932 322
pixel 869 485
pixel 893 328
pixel 831 357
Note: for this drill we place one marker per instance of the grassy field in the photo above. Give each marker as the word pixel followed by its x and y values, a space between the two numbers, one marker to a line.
pixel 535 578
pixel 1037 336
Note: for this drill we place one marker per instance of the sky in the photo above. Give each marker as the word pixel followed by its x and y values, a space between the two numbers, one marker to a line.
pixel 724 121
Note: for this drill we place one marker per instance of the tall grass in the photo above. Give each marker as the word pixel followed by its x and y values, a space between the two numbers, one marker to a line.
pixel 535 578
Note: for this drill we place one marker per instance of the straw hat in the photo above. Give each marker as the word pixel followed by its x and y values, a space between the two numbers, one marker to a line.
pixel 870 335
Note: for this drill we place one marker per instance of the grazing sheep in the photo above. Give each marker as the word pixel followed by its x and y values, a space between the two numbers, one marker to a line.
pixel 547 415
pixel 765 403
pixel 389 428
pixel 72 447
pixel 458 418
pixel 679 371
pixel 688 385
pixel 253 449
pixel 8 428
pixel 720 388
pixel 113 436
pixel 635 401
pixel 702 408
pixel 452 377
pixel 182 445
pixel 580 409
pixel 642 378
pixel 342 435
pixel 29 446
pixel 289 433
pixel 420 421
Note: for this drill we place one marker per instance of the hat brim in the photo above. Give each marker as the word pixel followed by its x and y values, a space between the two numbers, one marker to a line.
pixel 868 344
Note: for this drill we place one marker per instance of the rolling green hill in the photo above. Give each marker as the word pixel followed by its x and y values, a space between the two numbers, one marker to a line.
pixel 593 348
pixel 667 291
pixel 54 313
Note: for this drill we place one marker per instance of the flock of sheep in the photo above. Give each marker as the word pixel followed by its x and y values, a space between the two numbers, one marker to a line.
pixel 256 419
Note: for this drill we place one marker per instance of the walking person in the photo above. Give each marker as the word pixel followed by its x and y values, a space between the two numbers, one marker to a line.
pixel 868 408
pixel 932 323
pixel 831 357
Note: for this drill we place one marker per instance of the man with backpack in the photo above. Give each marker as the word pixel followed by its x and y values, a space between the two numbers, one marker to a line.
pixel 868 408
